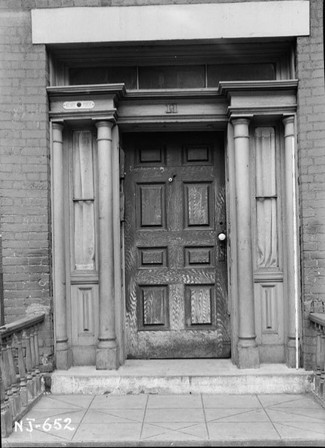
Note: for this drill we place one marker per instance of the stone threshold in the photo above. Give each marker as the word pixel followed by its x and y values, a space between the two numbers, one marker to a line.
pixel 190 376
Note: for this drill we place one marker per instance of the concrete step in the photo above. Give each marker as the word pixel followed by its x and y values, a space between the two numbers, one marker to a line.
pixel 190 376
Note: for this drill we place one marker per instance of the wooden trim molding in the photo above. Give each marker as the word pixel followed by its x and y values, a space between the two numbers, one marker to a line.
pixel 244 86
pixel 117 90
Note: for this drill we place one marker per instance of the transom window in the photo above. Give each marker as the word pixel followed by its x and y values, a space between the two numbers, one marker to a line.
pixel 172 76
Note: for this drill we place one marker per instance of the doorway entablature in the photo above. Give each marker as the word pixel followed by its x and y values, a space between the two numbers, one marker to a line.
pixel 171 106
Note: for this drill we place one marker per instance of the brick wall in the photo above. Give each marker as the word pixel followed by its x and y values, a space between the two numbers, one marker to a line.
pixel 311 147
pixel 24 170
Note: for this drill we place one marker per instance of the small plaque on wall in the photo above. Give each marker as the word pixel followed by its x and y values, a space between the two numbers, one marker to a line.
pixel 78 105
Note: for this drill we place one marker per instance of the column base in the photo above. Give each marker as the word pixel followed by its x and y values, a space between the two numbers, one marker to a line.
pixel 248 357
pixel 63 359
pixel 106 358
pixel 291 353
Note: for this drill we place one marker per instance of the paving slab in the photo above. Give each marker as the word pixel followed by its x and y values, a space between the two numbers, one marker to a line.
pixel 189 415
pixel 119 402
pixel 171 420
pixel 174 401
pixel 114 416
pixel 231 401
pixel 243 431
pixel 108 432
pixel 236 415
pixel 174 432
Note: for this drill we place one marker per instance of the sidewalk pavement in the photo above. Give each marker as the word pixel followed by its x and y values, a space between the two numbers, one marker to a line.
pixel 172 420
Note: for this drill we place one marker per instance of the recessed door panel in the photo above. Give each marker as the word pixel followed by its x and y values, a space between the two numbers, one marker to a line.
pixel 198 205
pixel 176 295
pixel 199 303
pixel 153 307
pixel 151 205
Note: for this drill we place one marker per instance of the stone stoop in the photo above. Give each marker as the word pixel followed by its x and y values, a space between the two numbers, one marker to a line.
pixel 182 377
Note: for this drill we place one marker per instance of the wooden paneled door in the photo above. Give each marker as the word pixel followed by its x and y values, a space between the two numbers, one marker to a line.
pixel 176 275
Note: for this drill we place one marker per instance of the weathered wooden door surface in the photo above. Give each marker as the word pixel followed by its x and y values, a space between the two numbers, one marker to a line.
pixel 176 284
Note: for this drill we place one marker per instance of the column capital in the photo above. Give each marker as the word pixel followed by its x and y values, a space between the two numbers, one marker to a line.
pixel 102 123
pixel 241 126
pixel 288 119
pixel 58 125
pixel 57 130
pixel 289 125
pixel 241 119
pixel 104 130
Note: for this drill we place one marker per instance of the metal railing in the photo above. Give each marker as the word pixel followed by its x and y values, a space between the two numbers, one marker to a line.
pixel 21 380
pixel 318 322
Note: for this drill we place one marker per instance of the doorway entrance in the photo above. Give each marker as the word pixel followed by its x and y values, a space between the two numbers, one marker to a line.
pixel 175 254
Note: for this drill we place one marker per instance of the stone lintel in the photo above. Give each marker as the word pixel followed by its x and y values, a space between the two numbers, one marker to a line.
pixel 171 22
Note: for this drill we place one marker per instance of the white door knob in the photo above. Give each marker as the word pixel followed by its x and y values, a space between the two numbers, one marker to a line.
pixel 221 236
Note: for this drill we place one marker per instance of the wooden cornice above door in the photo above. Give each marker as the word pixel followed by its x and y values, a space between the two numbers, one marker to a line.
pixel 85 102
pixel 260 97
pixel 194 108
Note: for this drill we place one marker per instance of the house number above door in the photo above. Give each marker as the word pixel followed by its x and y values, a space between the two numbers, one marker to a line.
pixel 78 105
pixel 171 109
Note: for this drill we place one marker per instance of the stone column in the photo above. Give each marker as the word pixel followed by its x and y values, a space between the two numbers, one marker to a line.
pixel 106 353
pixel 248 356
pixel 63 352
pixel 290 237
